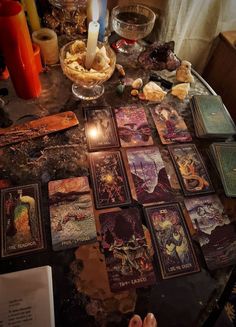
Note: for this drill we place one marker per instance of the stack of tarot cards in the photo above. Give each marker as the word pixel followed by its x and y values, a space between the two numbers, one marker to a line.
pixel 224 156
pixel 211 118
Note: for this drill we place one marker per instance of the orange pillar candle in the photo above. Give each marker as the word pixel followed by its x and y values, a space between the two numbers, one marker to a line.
pixel 16 47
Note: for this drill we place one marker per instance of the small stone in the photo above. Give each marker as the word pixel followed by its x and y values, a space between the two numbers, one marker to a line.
pixel 121 70
pixel 180 90
pixel 137 84
pixel 134 92
pixel 153 92
pixel 120 89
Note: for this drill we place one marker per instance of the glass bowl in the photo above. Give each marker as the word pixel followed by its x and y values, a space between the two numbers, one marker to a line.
pixel 88 84
pixel 132 22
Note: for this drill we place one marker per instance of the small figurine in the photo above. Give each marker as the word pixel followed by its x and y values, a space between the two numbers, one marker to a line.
pixel 183 72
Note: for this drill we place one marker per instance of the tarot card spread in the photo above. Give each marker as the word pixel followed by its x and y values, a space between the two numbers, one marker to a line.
pixel 172 241
pixel 100 128
pixel 71 213
pixel 149 175
pixel 170 125
pixel 127 259
pixel 133 127
pixel 190 169
pixel 21 228
pixel 216 235
pixel 109 180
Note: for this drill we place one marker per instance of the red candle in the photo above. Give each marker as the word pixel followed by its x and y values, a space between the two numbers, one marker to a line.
pixel 16 46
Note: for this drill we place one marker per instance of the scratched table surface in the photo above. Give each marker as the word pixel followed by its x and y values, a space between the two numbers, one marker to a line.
pixel 183 301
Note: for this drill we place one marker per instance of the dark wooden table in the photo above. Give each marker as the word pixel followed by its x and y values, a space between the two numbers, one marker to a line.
pixel 183 301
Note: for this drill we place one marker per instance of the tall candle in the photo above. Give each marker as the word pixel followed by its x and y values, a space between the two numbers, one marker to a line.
pixel 17 50
pixel 102 19
pixel 93 30
pixel 32 14
pixel 91 43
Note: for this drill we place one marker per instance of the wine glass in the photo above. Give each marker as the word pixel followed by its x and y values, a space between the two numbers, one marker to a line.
pixel 88 84
pixel 132 23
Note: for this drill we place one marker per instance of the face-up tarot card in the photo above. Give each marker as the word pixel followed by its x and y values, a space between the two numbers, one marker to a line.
pixel 216 235
pixel 149 175
pixel 133 128
pixel 172 240
pixel 170 125
pixel 71 213
pixel 190 169
pixel 127 258
pixel 100 128
pixel 21 225
pixel 109 179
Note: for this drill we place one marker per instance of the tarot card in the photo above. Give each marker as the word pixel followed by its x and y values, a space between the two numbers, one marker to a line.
pixel 109 179
pixel 71 213
pixel 172 240
pixel 21 228
pixel 133 128
pixel 100 128
pixel 127 257
pixel 225 157
pixel 149 175
pixel 170 125
pixel 190 169
pixel 216 235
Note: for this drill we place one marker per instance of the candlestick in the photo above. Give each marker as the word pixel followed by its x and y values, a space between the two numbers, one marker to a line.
pixel 17 50
pixel 32 12
pixel 47 41
pixel 91 43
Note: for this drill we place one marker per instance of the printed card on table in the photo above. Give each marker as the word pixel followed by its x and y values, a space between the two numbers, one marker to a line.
pixel 110 183
pixel 216 235
pixel 21 222
pixel 169 124
pixel 149 175
pixel 100 128
pixel 172 240
pixel 190 169
pixel 71 213
pixel 133 128
pixel 127 257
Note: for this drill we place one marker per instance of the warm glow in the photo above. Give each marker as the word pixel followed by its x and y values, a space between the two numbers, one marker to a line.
pixel 95 10
pixel 93 132
pixel 109 178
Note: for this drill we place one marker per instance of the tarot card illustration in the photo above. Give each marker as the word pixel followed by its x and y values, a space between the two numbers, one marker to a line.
pixel 172 240
pixel 109 179
pixel 216 235
pixel 133 128
pixel 100 128
pixel 127 257
pixel 71 213
pixel 170 125
pixel 190 169
pixel 21 227
pixel 149 175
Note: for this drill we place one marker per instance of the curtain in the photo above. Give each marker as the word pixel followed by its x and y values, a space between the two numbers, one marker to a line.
pixel 193 25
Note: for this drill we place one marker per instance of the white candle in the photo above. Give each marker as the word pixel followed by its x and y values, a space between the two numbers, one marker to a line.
pixel 91 43
pixel 48 43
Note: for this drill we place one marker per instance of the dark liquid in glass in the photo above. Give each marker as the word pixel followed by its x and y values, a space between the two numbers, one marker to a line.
pixel 132 18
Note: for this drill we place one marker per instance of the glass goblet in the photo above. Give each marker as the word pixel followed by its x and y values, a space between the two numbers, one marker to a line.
pixel 88 84
pixel 132 23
